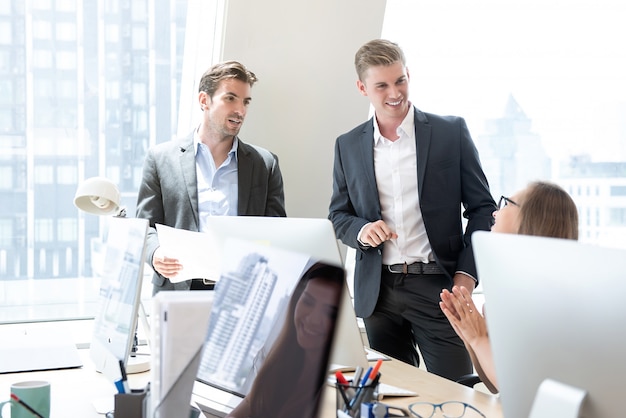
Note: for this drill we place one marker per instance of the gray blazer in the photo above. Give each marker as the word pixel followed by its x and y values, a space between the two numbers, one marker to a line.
pixel 449 175
pixel 168 193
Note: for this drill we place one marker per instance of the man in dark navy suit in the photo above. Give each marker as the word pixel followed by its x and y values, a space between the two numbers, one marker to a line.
pixel 399 182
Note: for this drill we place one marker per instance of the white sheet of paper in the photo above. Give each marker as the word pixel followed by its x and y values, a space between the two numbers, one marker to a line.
pixel 198 252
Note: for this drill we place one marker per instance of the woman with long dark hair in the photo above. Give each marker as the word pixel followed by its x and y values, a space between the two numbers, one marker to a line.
pixel 291 379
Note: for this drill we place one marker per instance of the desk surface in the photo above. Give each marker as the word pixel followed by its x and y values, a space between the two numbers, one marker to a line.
pixel 74 391
pixel 429 387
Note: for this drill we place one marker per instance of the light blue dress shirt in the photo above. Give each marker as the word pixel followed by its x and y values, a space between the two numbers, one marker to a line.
pixel 217 187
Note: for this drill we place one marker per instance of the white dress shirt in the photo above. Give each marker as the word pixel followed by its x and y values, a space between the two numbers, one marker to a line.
pixel 395 165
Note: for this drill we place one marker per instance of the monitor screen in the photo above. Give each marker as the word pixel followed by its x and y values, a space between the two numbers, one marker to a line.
pixel 554 310
pixel 121 276
pixel 273 318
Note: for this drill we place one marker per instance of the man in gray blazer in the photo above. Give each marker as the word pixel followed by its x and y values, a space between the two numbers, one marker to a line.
pixel 399 182
pixel 211 172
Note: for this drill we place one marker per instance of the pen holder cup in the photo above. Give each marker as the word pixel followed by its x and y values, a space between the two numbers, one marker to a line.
pixel 350 397
pixel 131 405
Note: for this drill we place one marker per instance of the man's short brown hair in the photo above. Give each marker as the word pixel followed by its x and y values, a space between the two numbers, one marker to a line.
pixel 377 52
pixel 224 70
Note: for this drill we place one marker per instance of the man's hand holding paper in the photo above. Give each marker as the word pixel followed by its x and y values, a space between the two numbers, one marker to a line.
pixel 185 255
pixel 164 265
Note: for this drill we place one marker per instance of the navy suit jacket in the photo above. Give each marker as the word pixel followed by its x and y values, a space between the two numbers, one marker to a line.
pixel 449 175
pixel 168 193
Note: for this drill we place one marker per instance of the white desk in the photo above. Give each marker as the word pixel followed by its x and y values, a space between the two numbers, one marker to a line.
pixel 428 386
pixel 75 390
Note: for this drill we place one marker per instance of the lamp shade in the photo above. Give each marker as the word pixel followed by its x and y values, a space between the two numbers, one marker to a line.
pixel 98 196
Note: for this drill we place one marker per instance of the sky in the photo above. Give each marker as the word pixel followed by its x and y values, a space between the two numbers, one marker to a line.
pixel 563 61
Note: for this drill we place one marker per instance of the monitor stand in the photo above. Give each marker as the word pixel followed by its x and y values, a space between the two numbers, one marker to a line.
pixel 139 362
pixel 556 399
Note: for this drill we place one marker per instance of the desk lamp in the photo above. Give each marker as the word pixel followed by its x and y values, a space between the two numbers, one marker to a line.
pixel 100 196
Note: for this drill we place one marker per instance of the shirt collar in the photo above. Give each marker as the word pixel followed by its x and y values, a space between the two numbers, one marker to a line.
pixel 197 142
pixel 407 126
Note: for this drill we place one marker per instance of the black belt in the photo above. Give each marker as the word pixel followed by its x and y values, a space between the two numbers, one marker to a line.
pixel 415 268
pixel 202 284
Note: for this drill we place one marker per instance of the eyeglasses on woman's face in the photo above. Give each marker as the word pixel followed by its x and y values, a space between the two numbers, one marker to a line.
pixel 504 201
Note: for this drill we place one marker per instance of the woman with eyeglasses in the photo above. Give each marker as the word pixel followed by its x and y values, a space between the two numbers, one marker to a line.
pixel 541 209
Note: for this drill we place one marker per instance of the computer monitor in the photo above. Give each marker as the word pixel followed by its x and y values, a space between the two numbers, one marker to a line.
pixel 120 294
pixel 311 236
pixel 273 309
pixel 555 310
pixel 179 324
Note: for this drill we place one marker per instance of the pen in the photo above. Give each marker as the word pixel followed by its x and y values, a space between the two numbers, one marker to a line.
pixel 374 372
pixel 25 405
pixel 366 376
pixel 357 373
pixel 122 384
pixel 344 395
pixel 340 378
pixel 361 390
pixel 344 382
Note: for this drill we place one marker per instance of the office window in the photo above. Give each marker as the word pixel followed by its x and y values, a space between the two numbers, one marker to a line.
pixel 42 30
pixel 65 31
pixel 617 217
pixel 67 174
pixel 44 174
pixel 140 38
pixel 6 91
pixel 113 90
pixel 3 262
pixel 139 10
pixel 140 121
pixel 66 60
pixel 111 6
pixel 5 61
pixel 66 89
pixel 524 91
pixel 67 229
pixel 66 5
pixel 42 58
pixel 6 37
pixel 42 4
pixel 6 232
pixel 6 120
pixel 618 190
pixel 112 32
pixel 140 94
pixel 44 232
pixel 6 177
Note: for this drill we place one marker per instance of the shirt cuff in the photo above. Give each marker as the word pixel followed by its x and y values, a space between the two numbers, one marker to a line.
pixel 468 275
pixel 358 237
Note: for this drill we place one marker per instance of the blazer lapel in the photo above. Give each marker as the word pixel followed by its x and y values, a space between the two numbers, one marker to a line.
pixel 422 143
pixel 244 177
pixel 188 168
pixel 366 156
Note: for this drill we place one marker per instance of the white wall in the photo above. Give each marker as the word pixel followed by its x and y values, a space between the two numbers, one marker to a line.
pixel 303 54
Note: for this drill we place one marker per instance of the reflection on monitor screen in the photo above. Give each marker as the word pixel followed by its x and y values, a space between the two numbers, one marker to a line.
pixel 262 316
pixel 250 300
pixel 119 297
pixel 312 236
